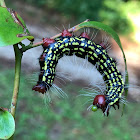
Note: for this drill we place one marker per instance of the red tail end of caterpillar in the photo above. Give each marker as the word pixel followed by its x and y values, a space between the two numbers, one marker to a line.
pixel 40 88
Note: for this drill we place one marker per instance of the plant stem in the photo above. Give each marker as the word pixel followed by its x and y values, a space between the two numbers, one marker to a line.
pixel 2 3
pixel 73 29
pixel 18 58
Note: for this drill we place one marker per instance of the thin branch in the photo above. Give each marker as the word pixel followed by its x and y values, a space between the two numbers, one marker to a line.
pixel 73 29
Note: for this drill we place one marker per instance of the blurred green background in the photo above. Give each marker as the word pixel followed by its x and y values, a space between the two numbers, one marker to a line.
pixel 67 119
pixel 114 13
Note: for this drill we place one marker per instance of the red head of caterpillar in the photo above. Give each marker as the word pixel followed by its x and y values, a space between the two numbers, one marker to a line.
pixel 100 102
pixel 81 47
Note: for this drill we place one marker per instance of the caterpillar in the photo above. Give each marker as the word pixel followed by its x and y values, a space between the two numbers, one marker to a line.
pixel 82 47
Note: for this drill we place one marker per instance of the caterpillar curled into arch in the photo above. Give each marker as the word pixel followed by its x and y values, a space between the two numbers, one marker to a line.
pixel 82 47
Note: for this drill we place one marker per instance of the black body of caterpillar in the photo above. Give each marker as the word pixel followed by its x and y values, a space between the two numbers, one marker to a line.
pixel 81 47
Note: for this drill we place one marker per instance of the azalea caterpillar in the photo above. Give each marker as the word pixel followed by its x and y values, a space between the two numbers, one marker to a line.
pixel 82 47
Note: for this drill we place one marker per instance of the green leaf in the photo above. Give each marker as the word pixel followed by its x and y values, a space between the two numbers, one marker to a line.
pixel 12 28
pixel 7 124
pixel 113 34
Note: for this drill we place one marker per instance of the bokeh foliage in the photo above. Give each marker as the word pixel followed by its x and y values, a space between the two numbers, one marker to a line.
pixel 113 13
pixel 65 119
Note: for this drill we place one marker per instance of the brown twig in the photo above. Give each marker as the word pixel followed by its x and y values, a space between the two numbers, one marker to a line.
pixel 73 29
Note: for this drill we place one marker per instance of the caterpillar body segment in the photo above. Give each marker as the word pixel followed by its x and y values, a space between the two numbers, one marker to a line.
pixel 81 47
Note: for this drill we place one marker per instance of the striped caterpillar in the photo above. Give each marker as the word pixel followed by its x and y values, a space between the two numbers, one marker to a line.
pixel 82 47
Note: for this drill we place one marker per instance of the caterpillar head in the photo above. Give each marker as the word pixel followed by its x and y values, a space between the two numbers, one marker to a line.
pixel 100 102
